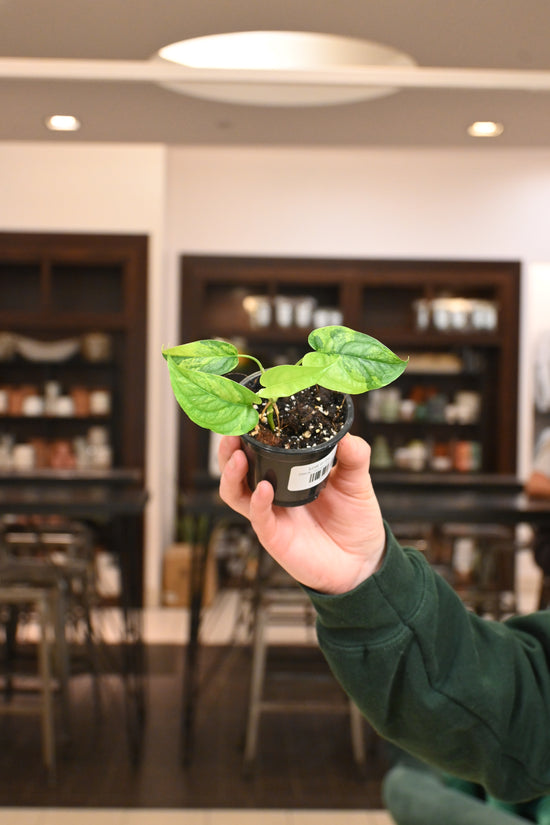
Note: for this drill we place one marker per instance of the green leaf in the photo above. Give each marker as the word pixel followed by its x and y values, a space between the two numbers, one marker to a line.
pixel 353 362
pixel 212 401
pixel 216 357
pixel 332 376
pixel 287 379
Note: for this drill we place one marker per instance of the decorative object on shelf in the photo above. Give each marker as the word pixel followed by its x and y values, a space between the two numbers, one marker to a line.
pixel 296 311
pixel 467 456
pixel 65 406
pixel 17 396
pixel 79 401
pixel 456 314
pixel 423 403
pixel 325 316
pixel 284 311
pixel 304 308
pixel 423 314
pixel 343 362
pixel 441 459
pixel 23 457
pixel 443 362
pixel 34 350
pixel 467 406
pixel 417 455
pixel 90 452
pixel 52 391
pixel 381 455
pixel 100 401
pixel 97 346
pixel 99 452
pixel 258 308
pixel 94 346
pixel 7 346
pixel 62 456
pixel 6 451
pixel 33 405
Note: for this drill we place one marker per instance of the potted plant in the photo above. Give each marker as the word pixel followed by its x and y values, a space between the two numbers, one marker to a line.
pixel 290 417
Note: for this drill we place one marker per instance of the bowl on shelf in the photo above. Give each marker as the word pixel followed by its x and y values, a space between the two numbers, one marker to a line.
pixel 35 350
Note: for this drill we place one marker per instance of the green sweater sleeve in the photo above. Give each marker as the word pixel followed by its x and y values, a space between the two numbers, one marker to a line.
pixel 467 695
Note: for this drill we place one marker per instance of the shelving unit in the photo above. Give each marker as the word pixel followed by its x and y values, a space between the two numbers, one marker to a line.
pixel 63 288
pixel 236 298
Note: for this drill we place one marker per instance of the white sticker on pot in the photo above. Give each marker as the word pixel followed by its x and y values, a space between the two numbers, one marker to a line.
pixel 308 475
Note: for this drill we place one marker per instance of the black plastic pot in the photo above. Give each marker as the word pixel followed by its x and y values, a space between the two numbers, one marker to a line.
pixel 297 475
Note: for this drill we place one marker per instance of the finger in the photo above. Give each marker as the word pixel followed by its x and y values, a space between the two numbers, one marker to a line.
pixel 227 446
pixel 234 488
pixel 353 453
pixel 352 467
pixel 261 501
pixel 262 516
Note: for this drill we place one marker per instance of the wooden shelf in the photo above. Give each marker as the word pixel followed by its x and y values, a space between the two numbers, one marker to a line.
pixel 55 286
pixel 379 298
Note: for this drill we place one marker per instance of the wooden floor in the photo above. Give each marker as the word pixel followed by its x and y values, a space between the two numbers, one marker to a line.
pixel 153 816
pixel 305 768
pixel 304 762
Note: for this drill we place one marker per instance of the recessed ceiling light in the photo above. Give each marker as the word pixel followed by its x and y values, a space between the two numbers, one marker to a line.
pixel 279 50
pixel 485 128
pixel 63 123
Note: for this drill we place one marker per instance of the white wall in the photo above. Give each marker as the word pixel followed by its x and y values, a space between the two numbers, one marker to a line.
pixel 535 303
pixel 483 203
pixel 370 203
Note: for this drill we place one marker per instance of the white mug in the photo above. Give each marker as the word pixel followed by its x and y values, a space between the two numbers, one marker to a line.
pixel 23 457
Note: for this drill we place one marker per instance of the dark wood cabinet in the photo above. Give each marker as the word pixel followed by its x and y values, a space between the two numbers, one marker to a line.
pixel 73 345
pixel 454 408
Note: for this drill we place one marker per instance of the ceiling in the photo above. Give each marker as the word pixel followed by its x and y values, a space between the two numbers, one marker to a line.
pixel 477 34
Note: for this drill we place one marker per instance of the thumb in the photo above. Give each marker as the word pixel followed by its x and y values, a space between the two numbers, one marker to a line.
pixel 351 473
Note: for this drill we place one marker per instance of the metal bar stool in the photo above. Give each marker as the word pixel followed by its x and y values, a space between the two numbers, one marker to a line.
pixel 41 600
pixel 278 601
pixel 57 557
pixel 481 558
pixel 23 573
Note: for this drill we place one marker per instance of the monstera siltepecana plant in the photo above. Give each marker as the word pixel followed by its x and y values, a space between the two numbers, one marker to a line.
pixel 295 413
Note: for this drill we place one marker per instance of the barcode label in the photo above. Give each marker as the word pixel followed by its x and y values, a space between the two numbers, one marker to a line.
pixel 301 478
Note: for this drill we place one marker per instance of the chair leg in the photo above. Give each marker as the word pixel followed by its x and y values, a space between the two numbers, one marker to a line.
pixel 62 665
pixel 48 727
pixel 92 650
pixel 259 653
pixel 357 729
pixel 10 631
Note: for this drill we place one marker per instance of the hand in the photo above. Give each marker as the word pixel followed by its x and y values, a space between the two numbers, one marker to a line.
pixel 330 545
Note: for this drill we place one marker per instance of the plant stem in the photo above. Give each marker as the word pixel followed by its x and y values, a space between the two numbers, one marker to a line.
pixel 269 410
pixel 251 357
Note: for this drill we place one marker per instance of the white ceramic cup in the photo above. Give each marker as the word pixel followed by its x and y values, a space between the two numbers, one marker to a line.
pixel 23 457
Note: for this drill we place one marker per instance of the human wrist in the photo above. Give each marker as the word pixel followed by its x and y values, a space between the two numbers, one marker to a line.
pixel 370 566
pixel 394 590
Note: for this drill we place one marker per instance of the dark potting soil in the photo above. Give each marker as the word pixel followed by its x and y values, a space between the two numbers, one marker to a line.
pixel 306 419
